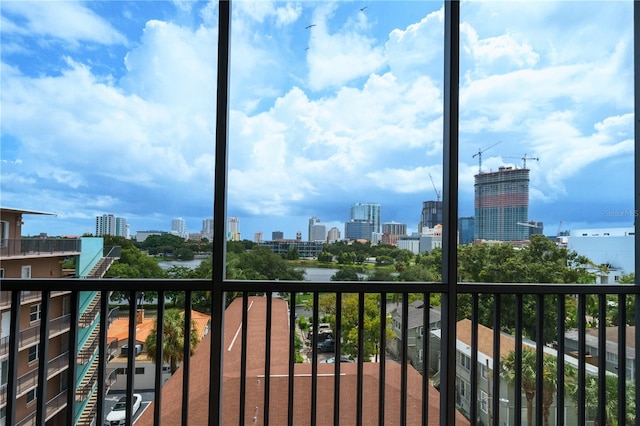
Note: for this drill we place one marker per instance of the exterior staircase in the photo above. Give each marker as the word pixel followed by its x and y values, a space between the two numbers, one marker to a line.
pixel 101 267
pixel 87 385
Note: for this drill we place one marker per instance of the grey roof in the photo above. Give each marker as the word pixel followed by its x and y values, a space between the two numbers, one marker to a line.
pixel 416 313
pixel 591 339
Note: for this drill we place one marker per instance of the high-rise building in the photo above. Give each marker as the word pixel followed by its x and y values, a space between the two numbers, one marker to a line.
pixel 277 235
pixel 367 212
pixel 431 215
pixel 394 228
pixel 391 231
pixel 333 235
pixel 207 229
pixel 179 227
pixel 258 237
pixel 233 228
pixel 317 230
pixel 358 230
pixel 465 228
pixel 502 205
pixel 108 224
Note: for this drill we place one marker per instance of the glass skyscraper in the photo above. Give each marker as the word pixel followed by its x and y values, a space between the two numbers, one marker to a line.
pixel 367 212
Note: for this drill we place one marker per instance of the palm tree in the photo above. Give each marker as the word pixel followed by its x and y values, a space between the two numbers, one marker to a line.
pixel 591 388
pixel 528 376
pixel 173 341
pixel 549 384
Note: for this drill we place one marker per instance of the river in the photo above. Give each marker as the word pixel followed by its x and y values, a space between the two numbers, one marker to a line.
pixel 311 274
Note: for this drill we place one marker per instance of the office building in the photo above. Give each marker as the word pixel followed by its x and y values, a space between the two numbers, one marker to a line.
pixel 333 235
pixel 367 212
pixel 612 249
pixel 391 231
pixel 317 230
pixel 258 237
pixel 502 205
pixel 358 230
pixel 143 235
pixel 431 215
pixel 466 229
pixel 277 235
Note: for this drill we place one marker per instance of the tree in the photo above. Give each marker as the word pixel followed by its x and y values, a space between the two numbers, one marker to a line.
pixel 345 274
pixel 350 321
pixel 542 261
pixel 528 376
pixel 325 257
pixel 173 339
pixel 381 275
pixel 591 402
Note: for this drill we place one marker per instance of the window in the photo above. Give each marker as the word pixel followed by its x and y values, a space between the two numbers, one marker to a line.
pixel 4 233
pixel 35 312
pixel 483 371
pixel 1 272
pixel 484 402
pixel 463 360
pixel 26 272
pixel 463 390
pixel 34 352
pixel 32 395
pixel 4 372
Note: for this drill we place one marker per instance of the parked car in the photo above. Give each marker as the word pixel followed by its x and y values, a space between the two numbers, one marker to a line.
pixel 333 360
pixel 118 413
pixel 322 327
pixel 328 345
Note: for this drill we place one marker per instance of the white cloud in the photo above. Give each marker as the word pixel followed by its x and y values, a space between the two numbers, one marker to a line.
pixel 337 58
pixel 68 21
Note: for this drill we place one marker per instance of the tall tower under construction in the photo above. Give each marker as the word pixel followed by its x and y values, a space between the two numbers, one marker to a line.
pixel 502 205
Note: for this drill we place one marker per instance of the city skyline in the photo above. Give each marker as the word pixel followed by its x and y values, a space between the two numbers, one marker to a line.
pixel 320 116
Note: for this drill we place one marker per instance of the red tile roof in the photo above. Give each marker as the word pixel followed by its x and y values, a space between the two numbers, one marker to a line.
pixel 278 409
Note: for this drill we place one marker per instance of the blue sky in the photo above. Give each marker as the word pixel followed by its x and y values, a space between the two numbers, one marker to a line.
pixel 108 107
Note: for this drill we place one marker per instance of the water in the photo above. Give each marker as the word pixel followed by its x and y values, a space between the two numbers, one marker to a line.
pixel 166 264
pixel 311 274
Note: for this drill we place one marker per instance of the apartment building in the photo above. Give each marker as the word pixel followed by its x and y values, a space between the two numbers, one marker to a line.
pixel 27 258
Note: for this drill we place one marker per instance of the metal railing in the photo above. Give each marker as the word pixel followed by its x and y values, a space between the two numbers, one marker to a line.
pixel 498 308
pixel 31 335
pixel 23 247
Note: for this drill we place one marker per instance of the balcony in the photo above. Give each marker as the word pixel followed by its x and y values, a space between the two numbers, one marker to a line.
pixel 245 370
pixel 258 330
pixel 25 248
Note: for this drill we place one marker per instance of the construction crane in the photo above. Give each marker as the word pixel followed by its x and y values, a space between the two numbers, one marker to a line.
pixel 479 155
pixel 434 188
pixel 525 158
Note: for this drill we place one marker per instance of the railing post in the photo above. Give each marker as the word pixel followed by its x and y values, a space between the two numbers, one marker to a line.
pixel 73 350
pixel 450 209
pixel 43 349
pixel 12 380
pixel 220 213
pixel 636 181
